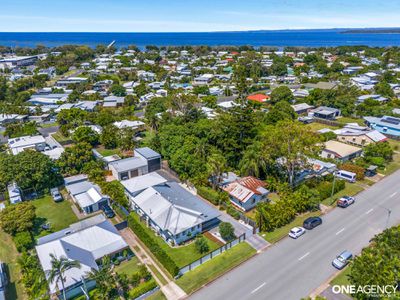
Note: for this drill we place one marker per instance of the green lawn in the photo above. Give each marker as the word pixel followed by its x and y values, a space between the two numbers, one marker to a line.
pixel 129 267
pixel 279 233
pixel 345 120
pixel 341 278
pixel 9 255
pixel 182 255
pixel 157 296
pixel 108 152
pixel 60 138
pixel 351 189
pixel 315 126
pixel 58 214
pixel 393 166
pixel 215 267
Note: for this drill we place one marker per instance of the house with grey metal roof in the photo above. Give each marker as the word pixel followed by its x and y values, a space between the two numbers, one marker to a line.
pixel 87 241
pixel 325 112
pixel 85 194
pixel 173 212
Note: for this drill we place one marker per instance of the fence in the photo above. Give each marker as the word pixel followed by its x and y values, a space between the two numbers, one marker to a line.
pixel 211 255
pixel 327 122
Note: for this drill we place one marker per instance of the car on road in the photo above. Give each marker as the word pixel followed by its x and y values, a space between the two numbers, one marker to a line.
pixel 296 232
pixel 55 193
pixel 345 201
pixel 3 281
pixel 108 211
pixel 312 222
pixel 342 259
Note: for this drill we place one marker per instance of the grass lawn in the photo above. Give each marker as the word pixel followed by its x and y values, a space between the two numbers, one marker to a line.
pixel 60 138
pixel 393 166
pixel 279 233
pixel 215 267
pixel 58 214
pixel 351 189
pixel 182 255
pixel 129 267
pixel 345 120
pixel 108 152
pixel 157 296
pixel 9 255
pixel 315 126
pixel 47 125
pixel 341 278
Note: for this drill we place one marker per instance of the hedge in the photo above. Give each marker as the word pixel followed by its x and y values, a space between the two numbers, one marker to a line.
pixel 209 194
pixel 360 171
pixel 142 289
pixel 162 256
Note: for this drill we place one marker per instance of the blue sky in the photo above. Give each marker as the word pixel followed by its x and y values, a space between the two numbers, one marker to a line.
pixel 205 15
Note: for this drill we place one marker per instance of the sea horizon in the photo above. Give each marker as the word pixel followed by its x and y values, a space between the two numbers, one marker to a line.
pixel 257 38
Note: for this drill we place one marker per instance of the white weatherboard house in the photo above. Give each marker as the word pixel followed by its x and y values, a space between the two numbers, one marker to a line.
pixel 87 241
pixel 173 212
pixel 85 193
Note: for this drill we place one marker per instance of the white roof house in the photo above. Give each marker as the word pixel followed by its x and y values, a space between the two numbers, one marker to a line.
pixel 22 143
pixel 138 184
pixel 128 124
pixel 86 242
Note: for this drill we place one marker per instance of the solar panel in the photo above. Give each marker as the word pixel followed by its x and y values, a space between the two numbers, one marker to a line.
pixel 391 121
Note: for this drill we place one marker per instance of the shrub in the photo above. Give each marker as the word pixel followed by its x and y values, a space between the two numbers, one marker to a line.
pixel 209 194
pixel 233 212
pixel 227 231
pixel 23 241
pixel 138 228
pixel 201 245
pixel 142 289
pixel 360 171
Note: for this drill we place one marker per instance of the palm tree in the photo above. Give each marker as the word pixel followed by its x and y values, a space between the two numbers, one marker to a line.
pixel 216 164
pixel 252 161
pixel 105 281
pixel 58 268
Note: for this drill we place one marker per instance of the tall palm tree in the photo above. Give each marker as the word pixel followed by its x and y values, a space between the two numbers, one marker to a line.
pixel 105 281
pixel 59 265
pixel 253 161
pixel 216 164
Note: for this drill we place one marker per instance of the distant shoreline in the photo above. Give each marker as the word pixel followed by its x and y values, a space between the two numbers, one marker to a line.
pixel 372 31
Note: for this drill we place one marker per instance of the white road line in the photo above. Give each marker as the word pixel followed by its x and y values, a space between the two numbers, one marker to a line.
pixel 304 256
pixel 392 195
pixel 257 288
pixel 369 211
pixel 340 231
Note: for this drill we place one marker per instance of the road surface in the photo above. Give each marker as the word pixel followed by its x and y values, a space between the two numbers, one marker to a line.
pixel 292 269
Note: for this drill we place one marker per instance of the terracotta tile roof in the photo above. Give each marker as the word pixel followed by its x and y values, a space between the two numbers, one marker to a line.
pixel 258 97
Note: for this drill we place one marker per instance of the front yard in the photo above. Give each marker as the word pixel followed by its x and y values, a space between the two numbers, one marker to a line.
pixel 215 267
pixel 58 214
pixel 129 267
pixel 181 255
pixel 350 189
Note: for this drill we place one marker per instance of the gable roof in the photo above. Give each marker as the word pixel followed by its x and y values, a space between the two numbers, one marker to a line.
pixel 243 189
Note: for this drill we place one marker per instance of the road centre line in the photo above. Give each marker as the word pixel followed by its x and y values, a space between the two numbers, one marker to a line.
pixel 304 256
pixel 257 288
pixel 369 211
pixel 340 231
pixel 392 195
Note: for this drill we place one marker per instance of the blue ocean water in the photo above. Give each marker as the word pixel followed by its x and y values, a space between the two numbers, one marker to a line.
pixel 279 38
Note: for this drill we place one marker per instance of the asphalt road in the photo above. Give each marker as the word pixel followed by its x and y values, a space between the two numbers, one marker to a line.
pixel 292 269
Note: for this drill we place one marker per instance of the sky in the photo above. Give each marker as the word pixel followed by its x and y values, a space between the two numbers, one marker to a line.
pixel 193 16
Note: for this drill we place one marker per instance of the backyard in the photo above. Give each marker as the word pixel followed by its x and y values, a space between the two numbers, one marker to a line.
pixel 129 267
pixel 58 214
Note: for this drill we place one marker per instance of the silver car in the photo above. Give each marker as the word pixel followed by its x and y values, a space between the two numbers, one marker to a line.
pixel 55 193
pixel 342 259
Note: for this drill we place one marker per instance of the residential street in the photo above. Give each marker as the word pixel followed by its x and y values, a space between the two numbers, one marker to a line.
pixel 292 269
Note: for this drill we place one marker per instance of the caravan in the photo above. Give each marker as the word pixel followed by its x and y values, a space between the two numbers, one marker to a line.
pixel 346 175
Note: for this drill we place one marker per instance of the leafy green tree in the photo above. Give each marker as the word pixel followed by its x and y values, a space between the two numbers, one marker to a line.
pixel 381 149
pixel 279 69
pixel 118 90
pixel 252 163
pixel 30 170
pixel 126 139
pixel 85 134
pixel 59 265
pixel 227 231
pixel 23 241
pixel 216 165
pixel 74 159
pixel 116 191
pixel 17 218
pixel 201 245
pixel 106 284
pixel 281 93
pixel 383 88
pixel 279 112
pixel 291 144
pixel 109 137
pixel 32 276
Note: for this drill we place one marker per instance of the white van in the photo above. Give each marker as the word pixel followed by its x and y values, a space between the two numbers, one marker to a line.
pixel 346 175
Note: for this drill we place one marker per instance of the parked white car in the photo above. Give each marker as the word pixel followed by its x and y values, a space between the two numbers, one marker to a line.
pixel 296 232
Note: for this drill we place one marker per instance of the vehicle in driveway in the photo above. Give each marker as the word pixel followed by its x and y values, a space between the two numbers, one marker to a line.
pixel 342 259
pixel 3 281
pixel 312 222
pixel 108 211
pixel 296 232
pixel 55 193
pixel 345 201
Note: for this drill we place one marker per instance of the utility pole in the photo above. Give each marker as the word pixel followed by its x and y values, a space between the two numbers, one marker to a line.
pixel 333 184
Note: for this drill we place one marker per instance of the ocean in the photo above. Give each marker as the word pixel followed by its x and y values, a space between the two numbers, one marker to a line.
pixel 276 38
